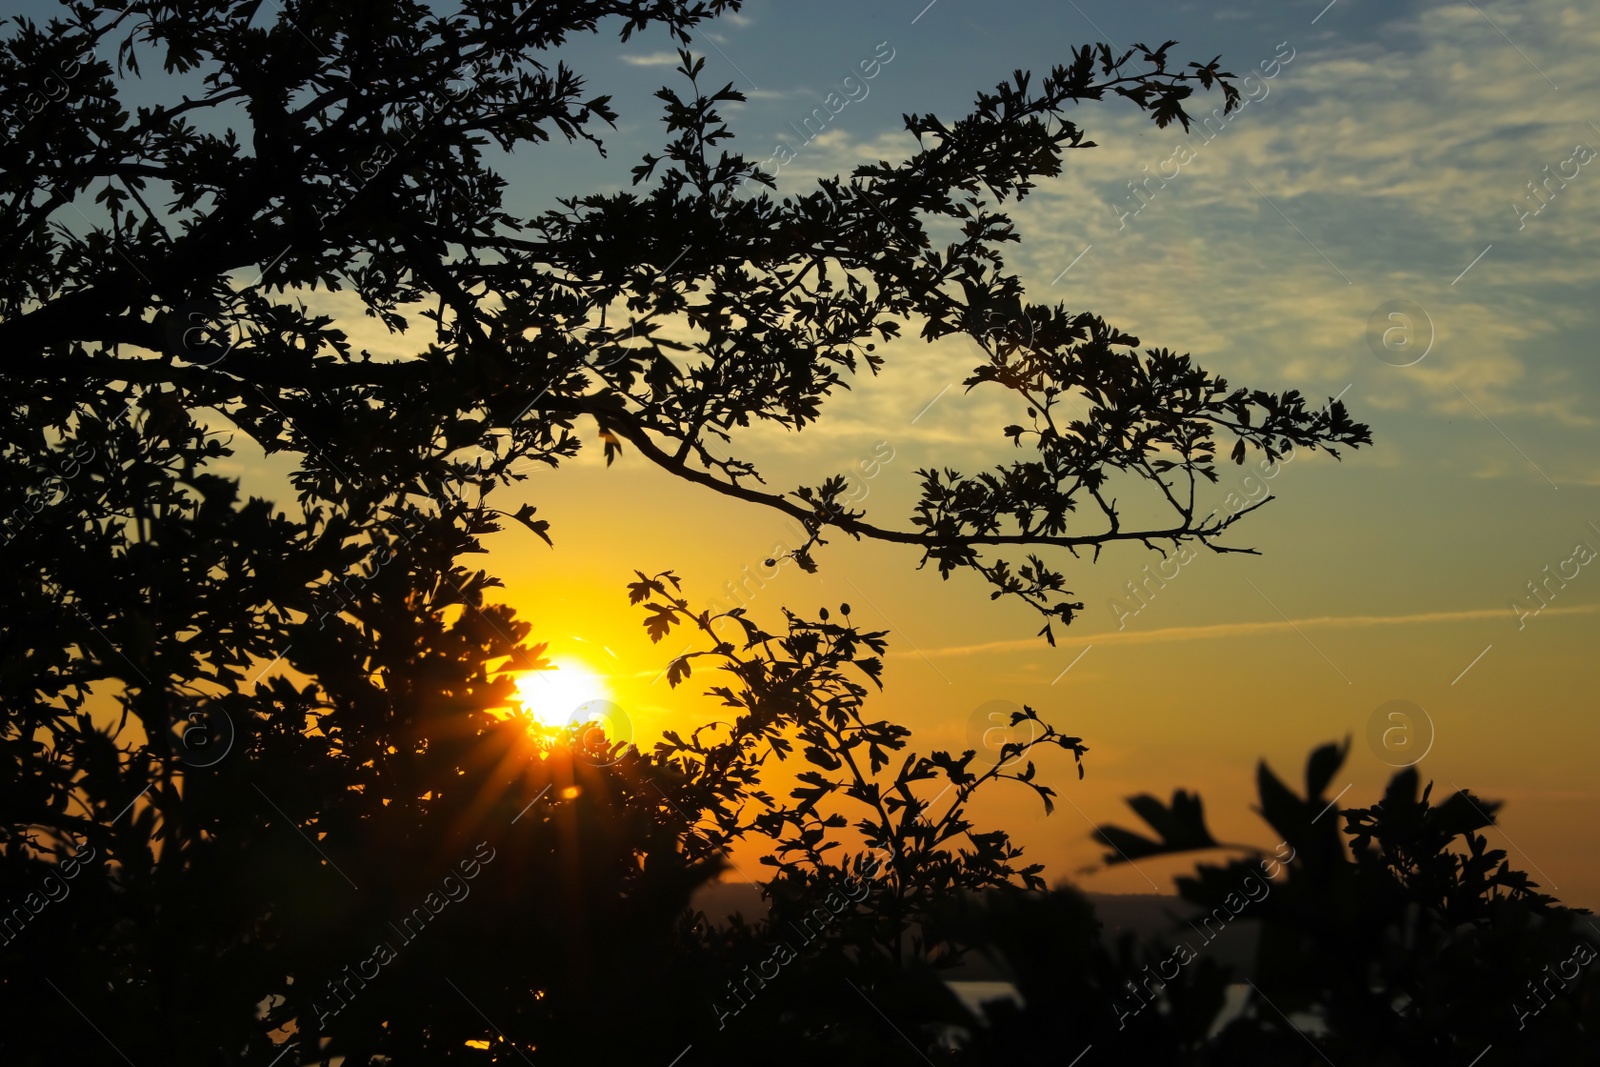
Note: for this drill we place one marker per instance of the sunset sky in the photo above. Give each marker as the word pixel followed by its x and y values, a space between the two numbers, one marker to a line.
pixel 1379 169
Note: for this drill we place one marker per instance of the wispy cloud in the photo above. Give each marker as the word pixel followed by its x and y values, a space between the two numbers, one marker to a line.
pixel 1454 125
pixel 652 59
pixel 1252 629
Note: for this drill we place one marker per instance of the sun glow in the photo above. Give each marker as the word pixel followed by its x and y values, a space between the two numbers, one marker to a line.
pixel 555 697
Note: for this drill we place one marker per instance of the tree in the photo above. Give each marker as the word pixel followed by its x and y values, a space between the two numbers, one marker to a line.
pixel 340 146
pixel 1404 940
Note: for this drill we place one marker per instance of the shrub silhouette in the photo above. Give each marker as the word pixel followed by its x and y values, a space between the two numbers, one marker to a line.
pixel 1412 942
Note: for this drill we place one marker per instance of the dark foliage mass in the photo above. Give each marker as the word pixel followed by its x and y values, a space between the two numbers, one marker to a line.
pixel 1399 938
pixel 378 861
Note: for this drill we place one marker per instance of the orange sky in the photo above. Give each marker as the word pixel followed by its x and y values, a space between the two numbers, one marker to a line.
pixel 1384 165
pixel 1208 678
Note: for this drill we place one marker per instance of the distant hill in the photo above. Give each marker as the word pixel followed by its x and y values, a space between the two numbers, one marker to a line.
pixel 1146 915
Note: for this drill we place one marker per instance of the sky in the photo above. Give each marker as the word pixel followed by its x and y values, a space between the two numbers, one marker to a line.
pixel 1363 227
pixel 1366 227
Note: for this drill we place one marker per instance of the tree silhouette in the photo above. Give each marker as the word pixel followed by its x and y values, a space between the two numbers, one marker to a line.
pixel 233 867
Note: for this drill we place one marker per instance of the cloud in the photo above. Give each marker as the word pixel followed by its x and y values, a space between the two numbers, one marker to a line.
pixel 1400 202
pixel 1371 168
pixel 1171 634
pixel 1395 154
pixel 652 59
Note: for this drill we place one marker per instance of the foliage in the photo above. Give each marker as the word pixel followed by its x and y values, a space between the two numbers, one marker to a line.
pixel 1414 942
pixel 794 692
pixel 236 844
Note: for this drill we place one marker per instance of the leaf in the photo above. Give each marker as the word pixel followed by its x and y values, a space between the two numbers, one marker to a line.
pixel 1322 765
pixel 677 671
pixel 1181 827
pixel 525 514
pixel 659 622
pixel 640 591
pixel 1279 806
pixel 823 758
pixel 1461 814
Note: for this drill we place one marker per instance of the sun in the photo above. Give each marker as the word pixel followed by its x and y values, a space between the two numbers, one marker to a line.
pixel 553 697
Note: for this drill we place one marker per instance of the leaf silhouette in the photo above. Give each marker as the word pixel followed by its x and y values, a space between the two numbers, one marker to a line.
pixel 1179 827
